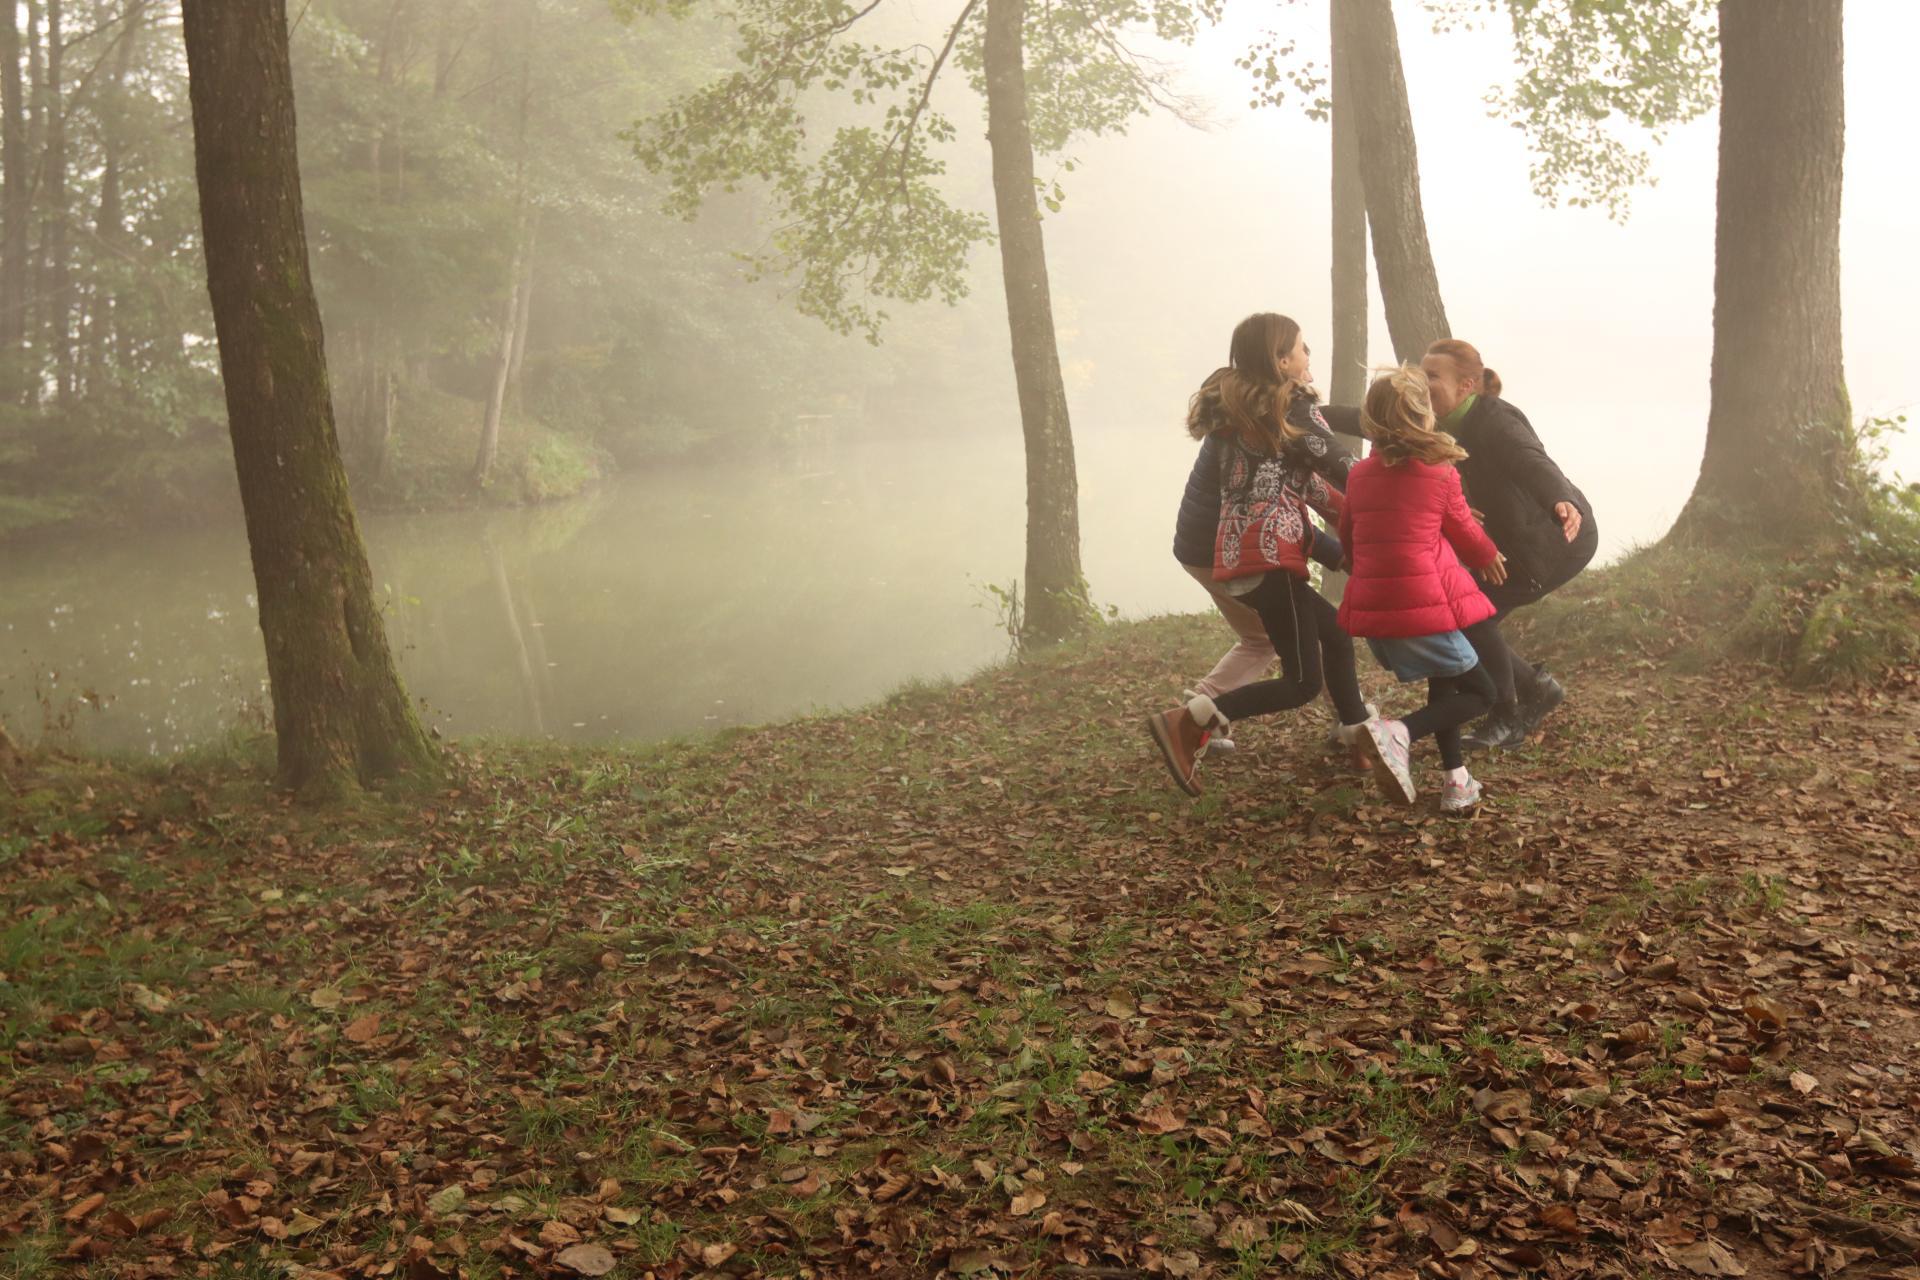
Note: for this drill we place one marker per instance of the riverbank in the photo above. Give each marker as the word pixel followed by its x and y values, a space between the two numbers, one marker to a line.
pixel 960 982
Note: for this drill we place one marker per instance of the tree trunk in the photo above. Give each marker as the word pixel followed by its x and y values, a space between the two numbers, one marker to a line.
pixel 502 366
pixel 1056 603
pixel 16 209
pixel 1390 175
pixel 1349 228
pixel 523 312
pixel 59 298
pixel 105 342
pixel 339 711
pixel 1781 460
pixel 33 265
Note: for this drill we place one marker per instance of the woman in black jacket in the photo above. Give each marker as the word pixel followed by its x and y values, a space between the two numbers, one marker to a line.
pixel 1541 522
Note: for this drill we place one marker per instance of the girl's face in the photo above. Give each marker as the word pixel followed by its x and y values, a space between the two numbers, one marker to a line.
pixel 1297 363
pixel 1445 384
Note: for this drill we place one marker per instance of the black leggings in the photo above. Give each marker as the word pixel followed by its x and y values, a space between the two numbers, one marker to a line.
pixel 1512 674
pixel 1451 702
pixel 1305 631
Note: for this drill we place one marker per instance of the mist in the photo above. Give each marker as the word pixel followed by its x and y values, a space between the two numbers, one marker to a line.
pixel 798 519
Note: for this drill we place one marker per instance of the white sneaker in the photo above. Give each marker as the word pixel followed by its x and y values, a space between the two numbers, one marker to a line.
pixel 1460 792
pixel 1216 745
pixel 1388 747
pixel 1341 737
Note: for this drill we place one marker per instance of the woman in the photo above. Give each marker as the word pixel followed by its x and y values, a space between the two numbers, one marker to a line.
pixel 1276 458
pixel 1542 523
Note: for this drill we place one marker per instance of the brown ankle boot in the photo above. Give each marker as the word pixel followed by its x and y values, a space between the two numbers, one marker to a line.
pixel 1180 733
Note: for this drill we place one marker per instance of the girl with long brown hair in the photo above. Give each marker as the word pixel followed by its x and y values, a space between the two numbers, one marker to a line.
pixel 1275 458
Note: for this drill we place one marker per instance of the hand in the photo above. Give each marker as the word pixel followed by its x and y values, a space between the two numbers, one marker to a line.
pixel 1495 573
pixel 1346 565
pixel 1569 516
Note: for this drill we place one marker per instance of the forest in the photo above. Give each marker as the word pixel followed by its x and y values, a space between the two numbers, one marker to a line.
pixel 592 684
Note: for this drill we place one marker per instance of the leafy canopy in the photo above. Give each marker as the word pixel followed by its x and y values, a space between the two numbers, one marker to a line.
pixel 1589 75
pixel 864 216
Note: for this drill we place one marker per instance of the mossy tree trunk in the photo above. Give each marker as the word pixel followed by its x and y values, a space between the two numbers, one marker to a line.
pixel 340 714
pixel 1781 460
pixel 1390 174
pixel 1056 603
pixel 1349 225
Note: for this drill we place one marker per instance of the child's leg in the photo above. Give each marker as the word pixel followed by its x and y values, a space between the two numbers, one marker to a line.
pixel 1248 660
pixel 1451 702
pixel 1336 656
pixel 1293 630
pixel 1496 658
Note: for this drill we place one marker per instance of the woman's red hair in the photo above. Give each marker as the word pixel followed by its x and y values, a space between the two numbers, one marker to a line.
pixel 1467 362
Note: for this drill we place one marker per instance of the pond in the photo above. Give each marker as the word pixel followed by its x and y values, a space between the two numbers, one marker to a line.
pixel 680 600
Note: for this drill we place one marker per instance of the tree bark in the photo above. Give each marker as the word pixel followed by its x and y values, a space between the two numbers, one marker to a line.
pixel 1349 226
pixel 1781 459
pixel 59 295
pixel 1056 601
pixel 16 210
pixel 1390 174
pixel 340 713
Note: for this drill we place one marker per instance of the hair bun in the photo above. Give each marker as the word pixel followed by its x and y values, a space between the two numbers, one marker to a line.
pixel 1490 382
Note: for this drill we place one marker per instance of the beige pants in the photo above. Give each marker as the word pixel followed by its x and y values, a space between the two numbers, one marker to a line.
pixel 1248 660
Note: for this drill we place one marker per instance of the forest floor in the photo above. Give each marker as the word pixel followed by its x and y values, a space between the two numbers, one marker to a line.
pixel 961 983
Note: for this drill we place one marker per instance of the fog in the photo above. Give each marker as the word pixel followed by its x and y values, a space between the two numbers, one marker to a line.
pixel 1602 331
pixel 830 548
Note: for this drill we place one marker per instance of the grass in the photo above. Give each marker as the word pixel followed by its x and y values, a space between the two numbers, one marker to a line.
pixel 823 954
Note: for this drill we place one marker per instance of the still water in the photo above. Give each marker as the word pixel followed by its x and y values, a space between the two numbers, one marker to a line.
pixel 687 599
pixel 690 598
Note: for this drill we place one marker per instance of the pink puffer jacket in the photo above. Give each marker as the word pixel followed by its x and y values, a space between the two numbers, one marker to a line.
pixel 1402 525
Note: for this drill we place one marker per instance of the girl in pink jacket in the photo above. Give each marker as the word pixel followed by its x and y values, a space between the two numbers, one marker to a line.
pixel 1406 529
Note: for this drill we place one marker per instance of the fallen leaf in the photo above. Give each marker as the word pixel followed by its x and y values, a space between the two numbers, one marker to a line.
pixel 1802 1082
pixel 1026 1202
pixel 587 1259
pixel 362 1029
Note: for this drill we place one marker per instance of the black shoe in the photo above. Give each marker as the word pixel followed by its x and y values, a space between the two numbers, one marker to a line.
pixel 1500 728
pixel 1543 701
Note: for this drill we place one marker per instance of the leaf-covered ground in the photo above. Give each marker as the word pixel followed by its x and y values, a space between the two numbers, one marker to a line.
pixel 961 983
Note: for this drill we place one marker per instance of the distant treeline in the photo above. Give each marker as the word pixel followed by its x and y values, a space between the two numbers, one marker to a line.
pixel 489 257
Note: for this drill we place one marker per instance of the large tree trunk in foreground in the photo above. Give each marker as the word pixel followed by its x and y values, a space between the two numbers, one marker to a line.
pixel 1390 172
pixel 339 711
pixel 1780 457
pixel 1056 604
pixel 1349 227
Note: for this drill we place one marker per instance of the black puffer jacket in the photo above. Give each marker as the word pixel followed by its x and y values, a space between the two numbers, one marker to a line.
pixel 1515 486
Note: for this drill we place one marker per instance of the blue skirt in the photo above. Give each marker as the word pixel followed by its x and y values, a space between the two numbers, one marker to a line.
pixel 1425 657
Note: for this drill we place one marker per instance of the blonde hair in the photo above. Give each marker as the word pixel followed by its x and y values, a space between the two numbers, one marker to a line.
pixel 1251 395
pixel 1397 416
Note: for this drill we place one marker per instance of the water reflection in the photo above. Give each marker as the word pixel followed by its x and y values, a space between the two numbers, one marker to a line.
pixel 686 599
